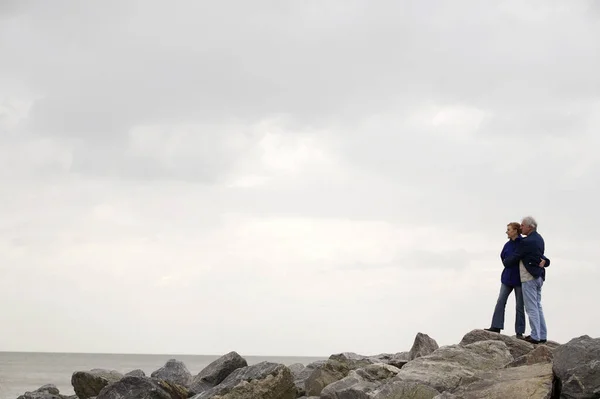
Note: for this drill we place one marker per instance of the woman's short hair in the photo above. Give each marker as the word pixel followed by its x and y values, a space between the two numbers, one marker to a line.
pixel 516 226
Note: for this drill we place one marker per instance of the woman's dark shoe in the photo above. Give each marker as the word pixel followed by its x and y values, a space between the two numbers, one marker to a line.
pixel 520 336
pixel 492 329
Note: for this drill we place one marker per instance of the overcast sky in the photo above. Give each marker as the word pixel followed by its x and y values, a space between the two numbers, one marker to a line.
pixel 290 177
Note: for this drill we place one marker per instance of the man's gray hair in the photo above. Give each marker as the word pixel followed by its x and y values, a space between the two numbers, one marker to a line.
pixel 529 221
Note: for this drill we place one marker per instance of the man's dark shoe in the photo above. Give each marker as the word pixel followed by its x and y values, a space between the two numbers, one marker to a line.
pixel 492 329
pixel 531 340
pixel 543 341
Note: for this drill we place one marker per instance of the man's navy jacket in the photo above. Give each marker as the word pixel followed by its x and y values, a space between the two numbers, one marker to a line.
pixel 531 251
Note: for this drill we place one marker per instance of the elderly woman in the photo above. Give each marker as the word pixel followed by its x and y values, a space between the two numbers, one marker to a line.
pixel 511 281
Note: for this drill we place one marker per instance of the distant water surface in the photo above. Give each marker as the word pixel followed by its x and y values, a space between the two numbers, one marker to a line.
pixel 21 372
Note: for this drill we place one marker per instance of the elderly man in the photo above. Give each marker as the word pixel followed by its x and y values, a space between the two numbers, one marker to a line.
pixel 529 255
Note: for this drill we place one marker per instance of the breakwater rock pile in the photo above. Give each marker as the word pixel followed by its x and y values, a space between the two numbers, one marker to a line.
pixel 483 365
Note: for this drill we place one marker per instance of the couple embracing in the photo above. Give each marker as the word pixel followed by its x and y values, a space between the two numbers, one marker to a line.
pixel 524 273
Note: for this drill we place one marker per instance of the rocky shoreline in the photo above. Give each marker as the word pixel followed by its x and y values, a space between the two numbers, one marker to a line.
pixel 483 365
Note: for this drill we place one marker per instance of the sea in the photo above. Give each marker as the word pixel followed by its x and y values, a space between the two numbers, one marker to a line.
pixel 27 371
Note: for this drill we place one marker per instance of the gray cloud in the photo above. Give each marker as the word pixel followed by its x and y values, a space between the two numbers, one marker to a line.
pixel 257 61
pixel 332 69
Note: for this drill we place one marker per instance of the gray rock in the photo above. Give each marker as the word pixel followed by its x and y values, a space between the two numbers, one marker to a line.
pixel 453 365
pixel 264 380
pixel 353 360
pixel 328 373
pixel 446 395
pixel 517 347
pixel 174 371
pixel 359 383
pixel 48 391
pixel 422 346
pixel 349 387
pixel 334 369
pixel 136 373
pixel 300 376
pixel 40 395
pixel 315 365
pixel 199 386
pixel 576 365
pixel 400 359
pixel 377 372
pixel 404 389
pixel 541 354
pixel 217 371
pixel 88 384
pixel 395 359
pixel 552 344
pixel 132 387
pixel 296 369
pixel 383 357
pixel 49 388
pixel 525 382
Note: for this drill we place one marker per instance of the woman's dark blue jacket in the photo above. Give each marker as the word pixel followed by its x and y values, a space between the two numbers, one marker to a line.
pixel 510 275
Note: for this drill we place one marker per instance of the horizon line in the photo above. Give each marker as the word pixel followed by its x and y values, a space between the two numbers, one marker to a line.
pixel 153 354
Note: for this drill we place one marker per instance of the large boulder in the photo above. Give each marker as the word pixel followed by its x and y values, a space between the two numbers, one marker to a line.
pixel 350 387
pixel 525 382
pixel 217 371
pixel 360 383
pixel 264 380
pixel 541 354
pixel 334 369
pixel 49 391
pixel 296 369
pixel 404 389
pixel 174 371
pixel 132 387
pixel 422 346
pixel 301 374
pixel 136 373
pixel 88 384
pixel 324 375
pixel 576 365
pixel 449 366
pixel 517 347
pixel 377 372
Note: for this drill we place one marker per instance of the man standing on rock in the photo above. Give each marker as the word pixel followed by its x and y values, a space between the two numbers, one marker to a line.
pixel 533 274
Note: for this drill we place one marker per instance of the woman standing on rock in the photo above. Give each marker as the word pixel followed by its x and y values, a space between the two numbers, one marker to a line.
pixel 510 280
